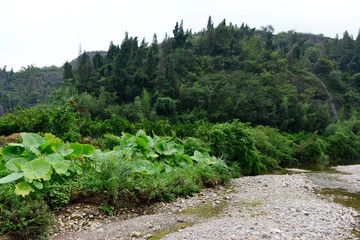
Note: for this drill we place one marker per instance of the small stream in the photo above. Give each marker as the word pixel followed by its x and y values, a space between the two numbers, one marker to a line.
pixel 339 190
pixel 332 187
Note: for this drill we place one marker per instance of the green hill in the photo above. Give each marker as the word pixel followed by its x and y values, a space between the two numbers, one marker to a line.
pixel 292 81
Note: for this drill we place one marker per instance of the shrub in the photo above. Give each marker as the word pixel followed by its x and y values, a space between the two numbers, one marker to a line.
pixel 22 218
pixel 276 150
pixel 110 141
pixel 57 194
pixel 65 123
pixel 25 120
pixel 235 142
pixel 117 125
pixel 192 144
pixel 108 172
pixel 178 182
pixel 311 149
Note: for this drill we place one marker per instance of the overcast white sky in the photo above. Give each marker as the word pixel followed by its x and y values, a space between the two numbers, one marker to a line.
pixel 48 32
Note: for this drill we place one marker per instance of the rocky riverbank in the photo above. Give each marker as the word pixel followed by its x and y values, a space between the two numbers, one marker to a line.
pixel 352 178
pixel 261 207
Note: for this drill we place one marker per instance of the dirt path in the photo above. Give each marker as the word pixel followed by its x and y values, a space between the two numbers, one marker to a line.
pixel 261 207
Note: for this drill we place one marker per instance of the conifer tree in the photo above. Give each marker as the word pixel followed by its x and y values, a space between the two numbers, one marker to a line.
pixel 68 74
pixel 98 61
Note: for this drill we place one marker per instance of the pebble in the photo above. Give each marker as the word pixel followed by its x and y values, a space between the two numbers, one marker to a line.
pixel 147 236
pixel 287 208
pixel 265 235
pixel 260 207
pixel 136 234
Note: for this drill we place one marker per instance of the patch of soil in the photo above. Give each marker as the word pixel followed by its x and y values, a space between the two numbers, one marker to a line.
pixel 13 138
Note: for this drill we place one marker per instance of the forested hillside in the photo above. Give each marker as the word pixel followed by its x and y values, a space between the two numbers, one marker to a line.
pixel 28 87
pixel 290 80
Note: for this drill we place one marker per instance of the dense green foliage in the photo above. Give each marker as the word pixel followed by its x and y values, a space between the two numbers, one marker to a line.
pixel 22 218
pixel 219 103
pixel 276 149
pixel 46 172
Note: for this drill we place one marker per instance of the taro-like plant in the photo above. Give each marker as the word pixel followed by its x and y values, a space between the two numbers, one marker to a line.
pixel 155 155
pixel 39 159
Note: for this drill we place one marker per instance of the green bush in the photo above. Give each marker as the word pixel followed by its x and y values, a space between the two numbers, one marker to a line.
pixel 117 125
pixel 22 218
pixel 235 142
pixel 110 141
pixel 57 194
pixel 178 182
pixel 151 169
pixel 66 123
pixel 160 127
pixel 344 142
pixel 39 159
pixel 311 149
pixel 198 129
pixel 276 150
pixel 25 120
pixel 108 172
pixel 192 144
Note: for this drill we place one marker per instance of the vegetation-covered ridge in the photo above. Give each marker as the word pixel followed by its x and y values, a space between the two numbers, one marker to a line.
pixel 289 80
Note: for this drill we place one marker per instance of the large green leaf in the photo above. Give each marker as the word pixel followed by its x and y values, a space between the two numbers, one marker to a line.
pixel 185 161
pixel 203 158
pixel 77 147
pixel 88 149
pixel 11 177
pixel 32 141
pixel 143 136
pixel 170 151
pixel 169 148
pixel 128 135
pixel 38 185
pixel 85 149
pixel 167 168
pixel 65 152
pixel 58 162
pixel 55 157
pixel 53 146
pixel 15 164
pixel 11 152
pixel 161 147
pixel 61 167
pixel 22 189
pixel 48 175
pixel 179 148
pixel 36 169
pixel 151 154
pixel 198 157
pixel 141 142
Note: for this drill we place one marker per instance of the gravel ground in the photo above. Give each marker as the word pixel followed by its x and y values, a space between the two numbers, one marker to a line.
pixel 261 207
pixel 352 179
